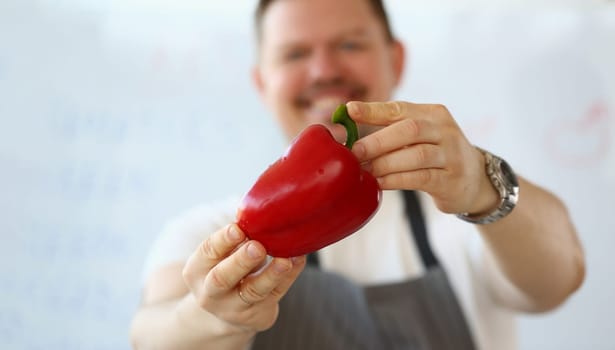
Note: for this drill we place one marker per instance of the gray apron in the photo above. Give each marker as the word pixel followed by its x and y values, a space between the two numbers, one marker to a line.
pixel 325 311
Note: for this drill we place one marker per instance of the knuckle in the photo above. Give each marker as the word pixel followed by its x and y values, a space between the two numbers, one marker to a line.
pixel 378 144
pixel 277 294
pixel 421 155
pixel 382 166
pixel 252 292
pixel 209 250
pixel 439 109
pixel 411 128
pixel 393 108
pixel 218 279
pixel 387 165
pixel 243 266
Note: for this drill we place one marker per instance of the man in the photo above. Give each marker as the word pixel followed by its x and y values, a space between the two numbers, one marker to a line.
pixel 382 287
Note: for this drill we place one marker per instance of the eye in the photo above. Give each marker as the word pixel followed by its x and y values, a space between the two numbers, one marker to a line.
pixel 350 45
pixel 295 54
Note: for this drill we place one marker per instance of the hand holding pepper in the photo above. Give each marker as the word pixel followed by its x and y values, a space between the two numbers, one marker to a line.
pixel 233 286
pixel 421 147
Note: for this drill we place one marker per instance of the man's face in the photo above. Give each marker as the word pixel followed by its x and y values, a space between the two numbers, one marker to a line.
pixel 317 54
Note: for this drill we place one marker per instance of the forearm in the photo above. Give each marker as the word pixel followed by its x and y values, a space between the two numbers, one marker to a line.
pixel 537 250
pixel 181 324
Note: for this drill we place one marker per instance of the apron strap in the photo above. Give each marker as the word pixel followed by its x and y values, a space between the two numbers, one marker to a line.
pixel 312 260
pixel 419 232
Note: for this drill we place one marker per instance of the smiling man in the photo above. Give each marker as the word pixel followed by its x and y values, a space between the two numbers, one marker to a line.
pixel 313 64
pixel 497 244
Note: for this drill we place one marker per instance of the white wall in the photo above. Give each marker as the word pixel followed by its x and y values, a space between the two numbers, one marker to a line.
pixel 118 115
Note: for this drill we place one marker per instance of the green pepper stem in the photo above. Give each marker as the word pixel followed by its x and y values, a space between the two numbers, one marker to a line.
pixel 340 116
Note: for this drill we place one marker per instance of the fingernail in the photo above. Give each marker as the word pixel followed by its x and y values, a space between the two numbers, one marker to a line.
pixel 354 109
pixel 233 233
pixel 358 150
pixel 380 181
pixel 297 259
pixel 281 267
pixel 253 251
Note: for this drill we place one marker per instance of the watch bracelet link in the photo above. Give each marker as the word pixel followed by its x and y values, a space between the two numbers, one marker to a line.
pixel 508 191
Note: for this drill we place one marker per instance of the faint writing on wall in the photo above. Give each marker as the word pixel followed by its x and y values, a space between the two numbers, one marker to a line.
pixel 581 141
pixel 89 180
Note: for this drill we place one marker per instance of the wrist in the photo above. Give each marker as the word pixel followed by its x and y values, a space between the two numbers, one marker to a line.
pixel 504 182
pixel 488 197
pixel 191 317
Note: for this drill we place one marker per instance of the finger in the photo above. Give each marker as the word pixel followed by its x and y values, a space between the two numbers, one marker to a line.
pixel 384 113
pixel 257 287
pixel 282 288
pixel 226 275
pixel 376 113
pixel 403 133
pixel 427 180
pixel 422 156
pixel 213 250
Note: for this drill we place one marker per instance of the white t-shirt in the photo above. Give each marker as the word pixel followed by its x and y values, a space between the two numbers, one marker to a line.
pixel 381 252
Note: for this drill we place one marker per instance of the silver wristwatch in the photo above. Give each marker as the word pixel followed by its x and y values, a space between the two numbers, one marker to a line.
pixel 505 182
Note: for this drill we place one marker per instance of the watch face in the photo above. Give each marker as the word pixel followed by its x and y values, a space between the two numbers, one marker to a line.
pixel 508 174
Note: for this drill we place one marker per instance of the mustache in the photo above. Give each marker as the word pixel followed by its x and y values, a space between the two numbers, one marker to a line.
pixel 356 90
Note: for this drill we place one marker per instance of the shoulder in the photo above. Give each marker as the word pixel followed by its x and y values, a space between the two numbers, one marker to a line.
pixel 202 217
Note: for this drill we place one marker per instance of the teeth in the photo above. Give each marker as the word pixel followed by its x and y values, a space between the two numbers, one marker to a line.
pixel 327 104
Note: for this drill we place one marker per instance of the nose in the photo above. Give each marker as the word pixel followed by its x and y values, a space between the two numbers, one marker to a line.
pixel 324 66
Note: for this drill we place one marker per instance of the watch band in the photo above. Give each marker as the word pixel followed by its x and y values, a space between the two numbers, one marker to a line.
pixel 505 182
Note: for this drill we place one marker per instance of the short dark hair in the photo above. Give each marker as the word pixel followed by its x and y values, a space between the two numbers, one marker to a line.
pixel 377 7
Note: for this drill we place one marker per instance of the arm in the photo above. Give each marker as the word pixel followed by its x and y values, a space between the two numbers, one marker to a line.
pixel 197 306
pixel 421 147
pixel 537 249
pixel 169 318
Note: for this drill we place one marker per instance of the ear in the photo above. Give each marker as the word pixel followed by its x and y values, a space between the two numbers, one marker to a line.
pixel 398 57
pixel 257 79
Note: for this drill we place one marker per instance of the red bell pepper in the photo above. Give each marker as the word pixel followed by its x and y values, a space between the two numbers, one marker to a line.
pixel 313 196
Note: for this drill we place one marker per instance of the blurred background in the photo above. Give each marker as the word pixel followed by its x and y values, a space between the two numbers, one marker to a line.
pixel 118 115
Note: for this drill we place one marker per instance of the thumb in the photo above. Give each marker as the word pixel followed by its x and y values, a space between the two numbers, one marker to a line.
pixel 377 113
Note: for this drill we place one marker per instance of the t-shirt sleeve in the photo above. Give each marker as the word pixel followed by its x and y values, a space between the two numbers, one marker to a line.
pixel 181 235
